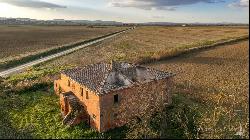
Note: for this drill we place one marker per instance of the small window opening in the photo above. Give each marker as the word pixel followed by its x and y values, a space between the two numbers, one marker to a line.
pixel 115 115
pixel 87 95
pixel 68 83
pixel 81 91
pixel 116 98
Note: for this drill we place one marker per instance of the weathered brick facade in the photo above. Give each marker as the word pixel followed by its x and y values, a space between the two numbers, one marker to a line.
pixel 109 95
pixel 90 105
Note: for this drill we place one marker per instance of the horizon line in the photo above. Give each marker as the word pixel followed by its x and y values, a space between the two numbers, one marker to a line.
pixel 132 22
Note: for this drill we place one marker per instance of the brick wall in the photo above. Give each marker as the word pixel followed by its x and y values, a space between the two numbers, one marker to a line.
pixel 138 100
pixel 91 104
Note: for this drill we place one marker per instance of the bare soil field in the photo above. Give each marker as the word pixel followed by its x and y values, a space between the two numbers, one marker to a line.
pixel 217 79
pixel 151 42
pixel 19 41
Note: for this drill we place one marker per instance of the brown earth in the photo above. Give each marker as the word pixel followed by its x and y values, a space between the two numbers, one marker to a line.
pixel 19 41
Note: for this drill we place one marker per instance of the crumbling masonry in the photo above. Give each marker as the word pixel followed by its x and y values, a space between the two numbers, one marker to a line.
pixel 109 95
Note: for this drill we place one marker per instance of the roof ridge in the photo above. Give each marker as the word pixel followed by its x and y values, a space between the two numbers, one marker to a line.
pixel 109 72
pixel 126 77
pixel 105 79
pixel 97 76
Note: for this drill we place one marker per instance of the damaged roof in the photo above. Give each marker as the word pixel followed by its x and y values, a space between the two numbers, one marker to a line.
pixel 103 77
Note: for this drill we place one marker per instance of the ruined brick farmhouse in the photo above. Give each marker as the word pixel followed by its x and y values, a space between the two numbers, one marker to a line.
pixel 109 95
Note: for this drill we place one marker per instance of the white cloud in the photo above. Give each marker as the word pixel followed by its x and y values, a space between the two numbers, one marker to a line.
pixel 241 4
pixel 158 16
pixel 157 4
pixel 32 4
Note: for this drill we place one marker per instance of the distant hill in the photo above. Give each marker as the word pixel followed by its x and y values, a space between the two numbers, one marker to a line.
pixel 192 24
pixel 28 21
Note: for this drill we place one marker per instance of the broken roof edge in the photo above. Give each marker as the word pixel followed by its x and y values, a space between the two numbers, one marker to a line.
pixel 129 86
pixel 103 92
pixel 170 74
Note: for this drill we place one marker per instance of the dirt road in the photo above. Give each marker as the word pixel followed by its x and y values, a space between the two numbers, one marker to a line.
pixel 8 72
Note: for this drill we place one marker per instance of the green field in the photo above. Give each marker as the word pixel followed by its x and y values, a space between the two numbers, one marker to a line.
pixel 34 112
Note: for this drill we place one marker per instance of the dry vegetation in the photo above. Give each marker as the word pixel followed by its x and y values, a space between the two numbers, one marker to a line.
pixel 20 41
pixel 210 97
pixel 210 100
pixel 218 80
pixel 145 43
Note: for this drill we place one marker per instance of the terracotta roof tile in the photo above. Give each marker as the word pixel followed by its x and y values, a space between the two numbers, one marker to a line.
pixel 104 77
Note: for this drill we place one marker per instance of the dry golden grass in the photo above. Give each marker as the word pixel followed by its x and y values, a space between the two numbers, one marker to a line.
pixel 150 42
pixel 214 82
pixel 211 85
pixel 20 41
pixel 218 79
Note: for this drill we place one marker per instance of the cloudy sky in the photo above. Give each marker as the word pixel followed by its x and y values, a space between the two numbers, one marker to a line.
pixel 204 11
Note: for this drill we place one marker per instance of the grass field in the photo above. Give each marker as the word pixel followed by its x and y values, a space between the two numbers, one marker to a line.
pixel 210 100
pixel 146 43
pixel 210 97
pixel 218 80
pixel 21 41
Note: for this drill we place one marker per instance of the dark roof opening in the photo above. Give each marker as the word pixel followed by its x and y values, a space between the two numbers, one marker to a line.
pixel 95 76
pixel 116 99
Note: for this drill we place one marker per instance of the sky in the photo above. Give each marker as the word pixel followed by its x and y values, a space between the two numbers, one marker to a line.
pixel 130 11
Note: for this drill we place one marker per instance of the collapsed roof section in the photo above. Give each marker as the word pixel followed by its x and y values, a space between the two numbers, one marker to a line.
pixel 103 77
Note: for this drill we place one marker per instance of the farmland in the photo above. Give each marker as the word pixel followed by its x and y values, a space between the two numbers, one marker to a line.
pixel 218 80
pixel 210 97
pixel 23 40
pixel 210 93
pixel 145 43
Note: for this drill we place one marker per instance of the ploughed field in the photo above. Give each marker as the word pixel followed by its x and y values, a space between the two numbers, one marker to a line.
pixel 151 43
pixel 20 41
